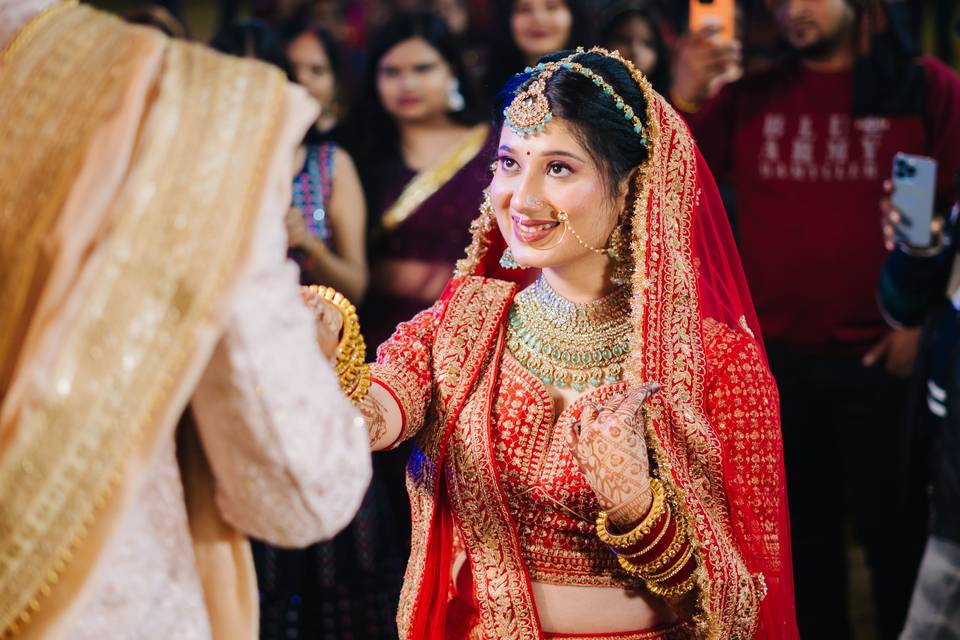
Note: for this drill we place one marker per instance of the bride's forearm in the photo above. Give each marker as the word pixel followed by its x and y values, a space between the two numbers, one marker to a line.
pixel 383 417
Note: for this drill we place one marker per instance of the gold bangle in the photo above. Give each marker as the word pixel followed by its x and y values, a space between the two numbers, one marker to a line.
pixel 362 387
pixel 683 105
pixel 669 554
pixel 637 533
pixel 351 367
pixel 656 541
pixel 674 569
pixel 663 560
pixel 676 591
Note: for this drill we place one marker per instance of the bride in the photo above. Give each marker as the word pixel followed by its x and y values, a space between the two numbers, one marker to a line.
pixel 598 453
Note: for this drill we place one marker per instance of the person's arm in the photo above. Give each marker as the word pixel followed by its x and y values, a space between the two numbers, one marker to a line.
pixel 403 380
pixel 698 62
pixel 914 279
pixel 401 388
pixel 345 266
pixel 942 123
pixel 287 450
pixel 911 285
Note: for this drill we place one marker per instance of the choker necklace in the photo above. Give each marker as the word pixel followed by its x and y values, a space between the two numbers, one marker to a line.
pixel 566 344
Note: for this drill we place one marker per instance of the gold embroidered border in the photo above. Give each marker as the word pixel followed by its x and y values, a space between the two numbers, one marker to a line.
pixel 471 321
pixel 178 227
pixel 507 608
pixel 44 143
pixel 668 348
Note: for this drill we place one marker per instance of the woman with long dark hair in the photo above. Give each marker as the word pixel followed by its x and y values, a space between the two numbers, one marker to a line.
pixel 525 30
pixel 326 223
pixel 634 28
pixel 315 62
pixel 418 144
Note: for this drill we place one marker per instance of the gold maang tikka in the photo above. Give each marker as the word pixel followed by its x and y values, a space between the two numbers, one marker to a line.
pixel 529 111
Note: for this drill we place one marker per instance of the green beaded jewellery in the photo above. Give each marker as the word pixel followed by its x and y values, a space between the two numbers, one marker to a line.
pixel 529 111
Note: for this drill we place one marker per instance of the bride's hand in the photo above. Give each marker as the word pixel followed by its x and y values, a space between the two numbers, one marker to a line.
pixel 609 445
pixel 328 320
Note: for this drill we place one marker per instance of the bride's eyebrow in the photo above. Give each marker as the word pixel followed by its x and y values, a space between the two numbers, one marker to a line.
pixel 555 152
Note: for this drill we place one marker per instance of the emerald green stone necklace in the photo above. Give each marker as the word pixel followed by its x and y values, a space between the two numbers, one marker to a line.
pixel 566 344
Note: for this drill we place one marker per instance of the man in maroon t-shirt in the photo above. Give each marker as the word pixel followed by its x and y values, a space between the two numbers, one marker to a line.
pixel 806 146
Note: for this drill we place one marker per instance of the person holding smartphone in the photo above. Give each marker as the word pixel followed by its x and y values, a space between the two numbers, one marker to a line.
pixel 920 286
pixel 807 145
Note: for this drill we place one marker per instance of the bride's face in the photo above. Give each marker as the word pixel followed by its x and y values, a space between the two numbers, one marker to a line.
pixel 538 176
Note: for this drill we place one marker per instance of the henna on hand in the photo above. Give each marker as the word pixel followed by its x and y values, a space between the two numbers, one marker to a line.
pixel 611 450
pixel 372 412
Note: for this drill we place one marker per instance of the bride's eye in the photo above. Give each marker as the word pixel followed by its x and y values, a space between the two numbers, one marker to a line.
pixel 559 169
pixel 507 163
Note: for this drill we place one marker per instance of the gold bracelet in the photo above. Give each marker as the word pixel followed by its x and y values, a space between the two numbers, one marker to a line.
pixel 683 105
pixel 656 541
pixel 362 387
pixel 637 533
pixel 673 570
pixel 669 554
pixel 351 367
pixel 676 591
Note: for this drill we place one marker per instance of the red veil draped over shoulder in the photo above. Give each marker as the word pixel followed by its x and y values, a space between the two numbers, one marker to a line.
pixel 713 431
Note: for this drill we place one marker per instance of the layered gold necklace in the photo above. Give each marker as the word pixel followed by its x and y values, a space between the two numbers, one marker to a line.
pixel 566 344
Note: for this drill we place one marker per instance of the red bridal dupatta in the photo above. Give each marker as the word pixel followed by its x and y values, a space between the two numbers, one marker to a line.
pixel 713 430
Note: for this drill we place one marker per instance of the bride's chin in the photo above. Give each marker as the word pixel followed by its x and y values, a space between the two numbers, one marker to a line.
pixel 533 259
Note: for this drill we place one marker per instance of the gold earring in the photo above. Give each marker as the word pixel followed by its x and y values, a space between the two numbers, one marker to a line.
pixel 618 251
pixel 486 205
pixel 507 261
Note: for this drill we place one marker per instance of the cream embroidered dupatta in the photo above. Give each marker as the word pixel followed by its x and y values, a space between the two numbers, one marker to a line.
pixel 115 274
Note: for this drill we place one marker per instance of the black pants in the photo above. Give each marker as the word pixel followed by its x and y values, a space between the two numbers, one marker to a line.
pixel 842 427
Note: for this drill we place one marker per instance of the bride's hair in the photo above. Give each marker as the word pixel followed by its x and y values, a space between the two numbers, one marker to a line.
pixel 597 123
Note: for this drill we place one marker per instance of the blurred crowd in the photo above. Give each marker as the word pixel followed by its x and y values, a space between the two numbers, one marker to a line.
pixel 798 115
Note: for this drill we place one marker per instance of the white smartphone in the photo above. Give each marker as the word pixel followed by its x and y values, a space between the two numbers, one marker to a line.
pixel 914 187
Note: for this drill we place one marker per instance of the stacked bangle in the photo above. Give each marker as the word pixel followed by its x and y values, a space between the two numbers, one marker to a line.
pixel 351 367
pixel 657 550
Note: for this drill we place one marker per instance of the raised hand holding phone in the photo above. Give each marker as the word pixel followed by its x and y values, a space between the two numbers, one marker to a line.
pixel 708 56
pixel 907 208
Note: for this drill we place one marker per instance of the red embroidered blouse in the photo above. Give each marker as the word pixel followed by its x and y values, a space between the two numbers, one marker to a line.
pixel 552 506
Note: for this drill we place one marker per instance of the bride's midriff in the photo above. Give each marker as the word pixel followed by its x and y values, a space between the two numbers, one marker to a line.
pixel 577 609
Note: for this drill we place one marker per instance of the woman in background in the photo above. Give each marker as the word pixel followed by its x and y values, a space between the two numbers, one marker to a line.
pixel 634 28
pixel 327 218
pixel 420 151
pixel 316 64
pixel 526 30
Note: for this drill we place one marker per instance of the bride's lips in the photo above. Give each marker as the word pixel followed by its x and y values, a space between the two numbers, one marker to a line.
pixel 528 230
